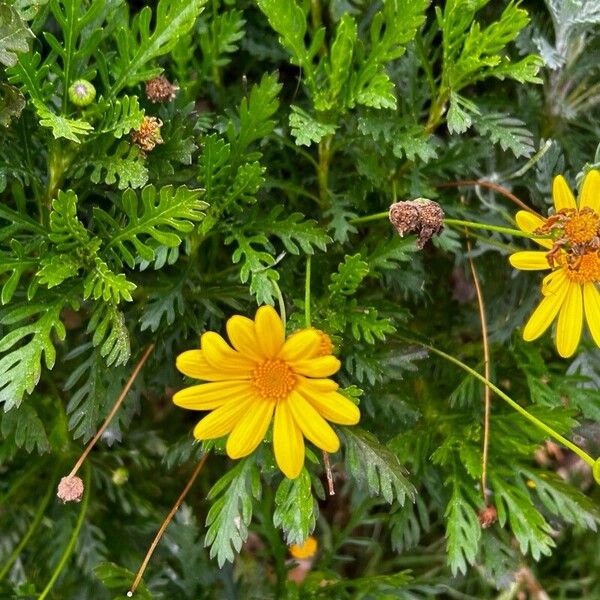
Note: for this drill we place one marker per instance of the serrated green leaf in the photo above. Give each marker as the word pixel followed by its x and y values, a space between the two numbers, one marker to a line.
pixel 349 276
pixel 231 511
pixel 103 283
pixel 463 530
pixel 24 428
pixel 296 509
pixel 120 115
pixel 125 167
pixel 514 506
pixel 110 333
pixel 118 579
pixel 15 36
pixel 62 127
pixel 375 467
pixel 12 103
pixel 307 130
pixel 21 365
pixel 57 268
pixel 507 131
pixel 161 216
pixel 140 46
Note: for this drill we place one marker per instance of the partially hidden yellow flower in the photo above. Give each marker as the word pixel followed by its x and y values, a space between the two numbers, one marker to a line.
pixel 265 377
pixel 306 550
pixel 572 246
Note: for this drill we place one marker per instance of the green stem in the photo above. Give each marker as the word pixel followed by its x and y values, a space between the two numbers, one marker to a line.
pixel 37 519
pixel 487 227
pixel 307 293
pixel 325 156
pixel 281 304
pixel 540 424
pixel 64 559
pixel 458 223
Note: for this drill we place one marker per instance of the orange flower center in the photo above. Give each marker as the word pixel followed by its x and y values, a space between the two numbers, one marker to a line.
pixel 273 379
pixel 326 347
pixel 585 269
pixel 582 227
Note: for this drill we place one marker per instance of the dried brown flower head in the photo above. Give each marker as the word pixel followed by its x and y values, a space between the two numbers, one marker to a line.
pixel 488 516
pixel 148 135
pixel 421 216
pixel 70 489
pixel 160 89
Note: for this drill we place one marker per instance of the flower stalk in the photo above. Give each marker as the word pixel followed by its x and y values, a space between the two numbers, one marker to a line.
pixel 165 524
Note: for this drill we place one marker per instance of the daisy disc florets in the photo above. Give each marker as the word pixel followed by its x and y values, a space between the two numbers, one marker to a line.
pixel 571 238
pixel 260 378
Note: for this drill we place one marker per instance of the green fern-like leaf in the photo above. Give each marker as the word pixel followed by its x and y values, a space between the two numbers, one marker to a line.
pixel 296 509
pixel 15 36
pixel 231 511
pixel 139 47
pixel 375 467
pixel 161 216
pixel 125 166
pixel 21 365
pixel 120 116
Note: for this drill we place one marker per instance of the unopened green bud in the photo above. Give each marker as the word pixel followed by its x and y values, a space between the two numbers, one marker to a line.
pixel 120 476
pixel 82 92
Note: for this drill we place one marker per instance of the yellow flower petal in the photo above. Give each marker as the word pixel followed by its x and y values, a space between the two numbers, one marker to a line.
pixel 528 222
pixel 193 364
pixel 269 330
pixel 223 419
pixel 591 303
pixel 288 443
pixel 324 366
pixel 562 194
pixel 250 430
pixel 332 406
pixel 570 320
pixel 207 396
pixel 529 260
pixel 590 191
pixel 242 335
pixel 553 281
pixel 219 354
pixel 312 424
pixel 545 313
pixel 300 345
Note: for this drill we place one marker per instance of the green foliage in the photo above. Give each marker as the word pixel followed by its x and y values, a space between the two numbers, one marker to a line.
pixel 375 467
pixel 291 121
pixel 161 216
pixel 296 509
pixel 231 511
pixel 15 36
pixel 140 45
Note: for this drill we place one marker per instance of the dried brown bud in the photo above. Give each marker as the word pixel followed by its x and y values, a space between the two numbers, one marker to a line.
pixel 421 216
pixel 160 89
pixel 488 516
pixel 70 489
pixel 148 135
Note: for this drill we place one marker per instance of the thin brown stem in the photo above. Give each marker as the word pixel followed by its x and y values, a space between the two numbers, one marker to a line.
pixel 492 186
pixel 113 411
pixel 486 370
pixel 165 524
pixel 329 474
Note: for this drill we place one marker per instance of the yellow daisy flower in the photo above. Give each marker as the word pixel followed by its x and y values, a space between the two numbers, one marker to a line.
pixel 265 376
pixel 572 254
pixel 306 550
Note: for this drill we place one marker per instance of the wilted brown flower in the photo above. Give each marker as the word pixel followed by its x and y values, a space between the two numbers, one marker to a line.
pixel 160 89
pixel 148 135
pixel 488 516
pixel 421 216
pixel 70 489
